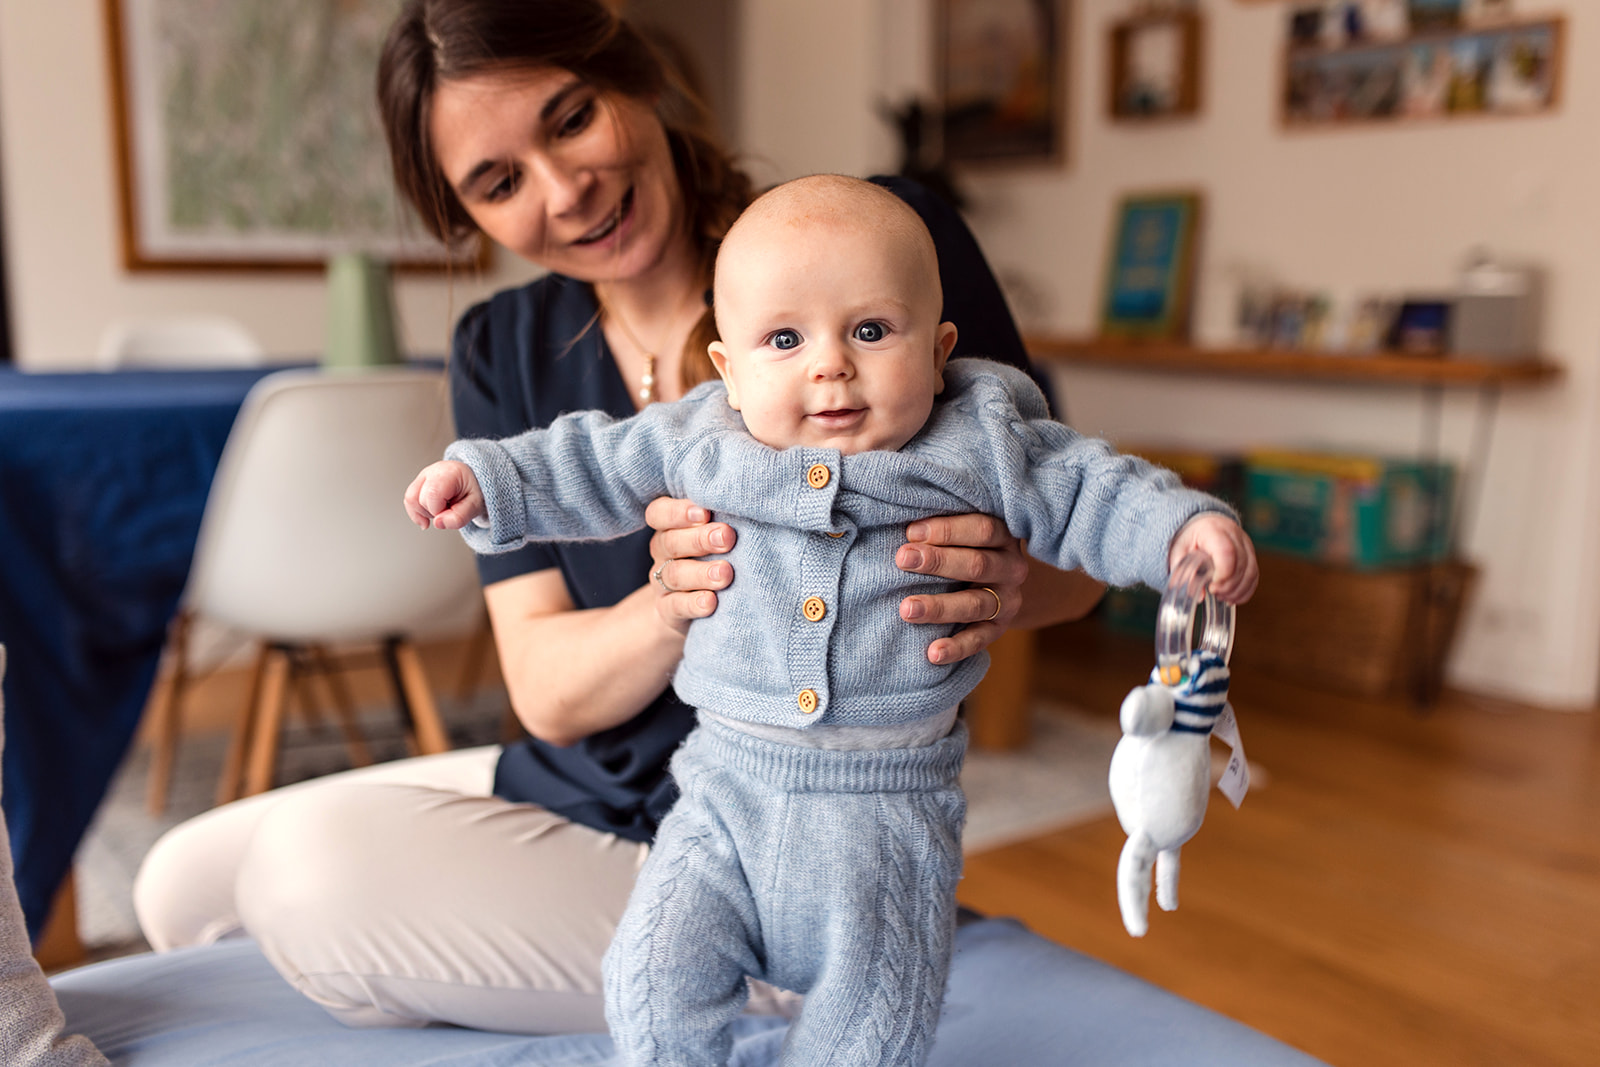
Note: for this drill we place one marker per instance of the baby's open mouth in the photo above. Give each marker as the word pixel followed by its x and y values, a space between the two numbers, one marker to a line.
pixel 605 229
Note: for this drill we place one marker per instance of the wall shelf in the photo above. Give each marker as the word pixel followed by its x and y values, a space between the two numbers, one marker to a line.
pixel 1376 368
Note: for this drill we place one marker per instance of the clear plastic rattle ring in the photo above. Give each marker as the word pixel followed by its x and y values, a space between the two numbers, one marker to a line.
pixel 1187 587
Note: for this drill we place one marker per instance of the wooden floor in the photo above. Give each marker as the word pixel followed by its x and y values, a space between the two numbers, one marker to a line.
pixel 1405 889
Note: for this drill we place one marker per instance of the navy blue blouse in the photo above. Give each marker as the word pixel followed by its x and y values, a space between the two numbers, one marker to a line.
pixel 525 356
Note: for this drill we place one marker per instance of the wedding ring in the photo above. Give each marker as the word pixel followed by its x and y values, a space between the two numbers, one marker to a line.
pixel 655 576
pixel 997 604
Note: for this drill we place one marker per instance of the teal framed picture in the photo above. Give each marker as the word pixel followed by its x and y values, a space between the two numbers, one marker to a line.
pixel 1150 270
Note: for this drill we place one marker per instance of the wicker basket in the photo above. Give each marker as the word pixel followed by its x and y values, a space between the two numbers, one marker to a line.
pixel 1366 633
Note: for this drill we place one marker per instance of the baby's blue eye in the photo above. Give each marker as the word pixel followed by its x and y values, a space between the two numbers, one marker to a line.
pixel 785 339
pixel 871 332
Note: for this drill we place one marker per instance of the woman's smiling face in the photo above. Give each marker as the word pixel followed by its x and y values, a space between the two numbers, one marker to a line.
pixel 577 180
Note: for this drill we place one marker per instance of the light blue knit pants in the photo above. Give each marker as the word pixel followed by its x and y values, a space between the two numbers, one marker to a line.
pixel 829 873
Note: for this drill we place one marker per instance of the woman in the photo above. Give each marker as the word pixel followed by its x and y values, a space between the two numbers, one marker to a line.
pixel 481 887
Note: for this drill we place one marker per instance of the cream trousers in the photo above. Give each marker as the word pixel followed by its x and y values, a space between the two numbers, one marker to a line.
pixel 406 894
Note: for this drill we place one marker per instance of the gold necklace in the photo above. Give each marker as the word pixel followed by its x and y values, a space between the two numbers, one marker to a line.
pixel 647 381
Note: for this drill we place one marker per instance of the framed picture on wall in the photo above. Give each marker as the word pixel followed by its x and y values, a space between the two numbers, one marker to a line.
pixel 1149 278
pixel 1002 80
pixel 248 137
pixel 1155 70
pixel 1509 68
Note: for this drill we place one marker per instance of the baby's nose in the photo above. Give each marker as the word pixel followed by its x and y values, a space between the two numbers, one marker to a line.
pixel 830 361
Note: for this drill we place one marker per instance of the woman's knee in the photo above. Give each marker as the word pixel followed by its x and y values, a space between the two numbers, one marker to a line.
pixel 313 858
pixel 183 894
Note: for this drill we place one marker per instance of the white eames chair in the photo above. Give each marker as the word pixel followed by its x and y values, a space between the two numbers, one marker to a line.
pixel 305 544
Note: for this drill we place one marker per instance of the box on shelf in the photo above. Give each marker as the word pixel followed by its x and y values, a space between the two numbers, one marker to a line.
pixel 1363 511
pixel 1365 633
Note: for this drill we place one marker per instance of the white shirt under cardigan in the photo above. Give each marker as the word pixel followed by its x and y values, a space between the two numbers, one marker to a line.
pixel 809 633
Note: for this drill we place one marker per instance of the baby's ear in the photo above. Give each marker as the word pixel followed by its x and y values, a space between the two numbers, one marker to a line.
pixel 944 341
pixel 719 359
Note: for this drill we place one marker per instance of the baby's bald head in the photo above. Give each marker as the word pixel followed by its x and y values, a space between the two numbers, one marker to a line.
pixel 824 204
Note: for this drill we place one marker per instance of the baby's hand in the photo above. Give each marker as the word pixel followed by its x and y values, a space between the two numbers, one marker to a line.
pixel 1233 557
pixel 445 496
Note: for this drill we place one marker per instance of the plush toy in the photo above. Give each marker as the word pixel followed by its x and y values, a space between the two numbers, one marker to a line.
pixel 1161 769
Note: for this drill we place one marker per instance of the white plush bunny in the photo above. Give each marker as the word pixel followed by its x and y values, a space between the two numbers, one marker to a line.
pixel 1161 776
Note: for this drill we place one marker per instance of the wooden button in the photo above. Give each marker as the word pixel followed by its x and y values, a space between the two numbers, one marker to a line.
pixel 807 700
pixel 818 476
pixel 832 534
pixel 814 608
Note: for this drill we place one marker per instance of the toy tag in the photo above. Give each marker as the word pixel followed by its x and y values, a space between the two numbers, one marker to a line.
pixel 1235 780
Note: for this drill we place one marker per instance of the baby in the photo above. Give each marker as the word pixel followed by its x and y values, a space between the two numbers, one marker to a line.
pixel 816 841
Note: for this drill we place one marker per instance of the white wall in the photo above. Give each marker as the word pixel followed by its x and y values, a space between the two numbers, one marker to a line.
pixel 63 260
pixel 1348 211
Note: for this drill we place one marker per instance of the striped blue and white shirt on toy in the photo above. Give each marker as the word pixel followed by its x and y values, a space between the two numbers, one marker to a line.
pixel 810 631
pixel 1200 695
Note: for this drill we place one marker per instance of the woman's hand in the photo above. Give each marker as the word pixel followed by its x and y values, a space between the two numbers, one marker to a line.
pixel 686 585
pixel 967 548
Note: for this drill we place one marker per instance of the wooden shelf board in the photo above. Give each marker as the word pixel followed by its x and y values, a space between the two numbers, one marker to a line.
pixel 1384 367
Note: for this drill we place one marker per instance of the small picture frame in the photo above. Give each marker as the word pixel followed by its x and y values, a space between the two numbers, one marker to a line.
pixel 1149 276
pixel 1001 75
pixel 1155 69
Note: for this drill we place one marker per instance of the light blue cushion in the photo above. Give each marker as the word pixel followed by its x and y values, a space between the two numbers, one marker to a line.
pixel 1015 1000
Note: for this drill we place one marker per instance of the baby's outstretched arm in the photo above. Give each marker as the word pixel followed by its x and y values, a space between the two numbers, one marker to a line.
pixel 1233 557
pixel 444 496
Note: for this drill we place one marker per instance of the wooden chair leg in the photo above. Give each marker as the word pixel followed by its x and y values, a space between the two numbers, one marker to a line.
pixel 166 716
pixel 230 786
pixel 59 945
pixel 344 708
pixel 425 722
pixel 269 723
pixel 998 710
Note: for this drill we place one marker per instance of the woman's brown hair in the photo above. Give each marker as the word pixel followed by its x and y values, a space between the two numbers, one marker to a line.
pixel 433 41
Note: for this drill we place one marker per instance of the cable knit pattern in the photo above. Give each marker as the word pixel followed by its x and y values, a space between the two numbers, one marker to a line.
pixel 793 866
pixel 988 447
pixel 630 982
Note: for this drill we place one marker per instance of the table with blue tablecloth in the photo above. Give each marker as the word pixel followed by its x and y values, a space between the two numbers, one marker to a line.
pixel 103 479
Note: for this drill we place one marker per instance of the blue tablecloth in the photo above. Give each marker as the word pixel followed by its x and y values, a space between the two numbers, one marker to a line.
pixel 103 479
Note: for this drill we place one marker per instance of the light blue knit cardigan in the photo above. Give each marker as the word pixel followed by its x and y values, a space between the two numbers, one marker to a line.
pixel 989 447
